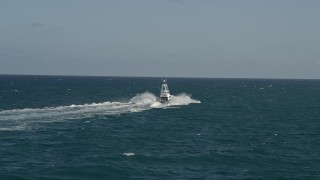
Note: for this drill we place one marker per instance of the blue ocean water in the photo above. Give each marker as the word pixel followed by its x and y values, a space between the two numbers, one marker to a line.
pixel 63 127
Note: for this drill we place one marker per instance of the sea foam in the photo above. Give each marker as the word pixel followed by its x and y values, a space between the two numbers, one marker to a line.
pixel 15 118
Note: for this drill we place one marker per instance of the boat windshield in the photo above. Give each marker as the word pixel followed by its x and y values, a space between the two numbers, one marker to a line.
pixel 164 98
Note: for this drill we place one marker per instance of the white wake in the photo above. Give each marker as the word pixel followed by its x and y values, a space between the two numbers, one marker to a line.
pixel 22 119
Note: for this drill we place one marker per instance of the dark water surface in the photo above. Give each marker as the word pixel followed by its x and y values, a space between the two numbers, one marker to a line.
pixel 56 127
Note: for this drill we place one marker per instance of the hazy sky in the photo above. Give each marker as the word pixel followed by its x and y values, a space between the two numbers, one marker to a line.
pixel 188 38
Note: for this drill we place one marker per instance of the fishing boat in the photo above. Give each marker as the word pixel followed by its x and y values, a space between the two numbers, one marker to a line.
pixel 164 92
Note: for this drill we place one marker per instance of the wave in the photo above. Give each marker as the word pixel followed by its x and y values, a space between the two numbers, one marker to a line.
pixel 176 100
pixel 20 119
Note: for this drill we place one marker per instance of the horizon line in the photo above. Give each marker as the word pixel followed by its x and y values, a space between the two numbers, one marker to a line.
pixel 134 76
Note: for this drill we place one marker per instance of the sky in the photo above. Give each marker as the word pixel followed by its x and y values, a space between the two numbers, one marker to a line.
pixel 174 38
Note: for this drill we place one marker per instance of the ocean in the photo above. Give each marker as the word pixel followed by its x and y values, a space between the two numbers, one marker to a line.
pixel 74 127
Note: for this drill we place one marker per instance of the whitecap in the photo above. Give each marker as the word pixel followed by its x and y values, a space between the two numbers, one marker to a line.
pixel 129 154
